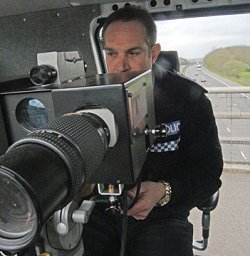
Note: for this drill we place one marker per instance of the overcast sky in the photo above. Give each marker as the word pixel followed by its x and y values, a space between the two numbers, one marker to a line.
pixel 195 37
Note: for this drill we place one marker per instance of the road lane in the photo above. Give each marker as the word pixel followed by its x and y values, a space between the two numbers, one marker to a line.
pixel 232 113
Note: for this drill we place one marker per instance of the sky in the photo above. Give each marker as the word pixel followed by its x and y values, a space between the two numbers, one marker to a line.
pixel 195 37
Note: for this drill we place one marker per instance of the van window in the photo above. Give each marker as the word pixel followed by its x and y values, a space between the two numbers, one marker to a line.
pixel 202 40
pixel 215 52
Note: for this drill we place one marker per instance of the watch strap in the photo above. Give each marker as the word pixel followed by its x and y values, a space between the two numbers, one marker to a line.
pixel 168 191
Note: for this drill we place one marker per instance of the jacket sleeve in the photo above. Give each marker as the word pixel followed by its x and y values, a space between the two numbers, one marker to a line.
pixel 200 161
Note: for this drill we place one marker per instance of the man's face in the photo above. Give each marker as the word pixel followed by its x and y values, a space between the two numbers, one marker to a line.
pixel 126 47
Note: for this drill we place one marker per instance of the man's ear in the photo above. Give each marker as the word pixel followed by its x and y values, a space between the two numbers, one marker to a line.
pixel 156 48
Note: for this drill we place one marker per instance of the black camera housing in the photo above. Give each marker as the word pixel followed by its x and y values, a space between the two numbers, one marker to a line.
pixel 129 96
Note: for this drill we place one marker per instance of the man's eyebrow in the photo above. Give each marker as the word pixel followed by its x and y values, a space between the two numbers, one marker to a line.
pixel 127 50
pixel 135 49
pixel 109 49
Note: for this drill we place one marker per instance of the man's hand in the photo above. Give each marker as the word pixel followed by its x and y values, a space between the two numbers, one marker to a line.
pixel 150 194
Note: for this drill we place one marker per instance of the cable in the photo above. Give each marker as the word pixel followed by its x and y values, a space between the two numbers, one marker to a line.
pixel 125 207
pixel 124 223
pixel 133 201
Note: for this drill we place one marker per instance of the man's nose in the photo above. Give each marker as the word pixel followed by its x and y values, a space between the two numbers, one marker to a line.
pixel 122 63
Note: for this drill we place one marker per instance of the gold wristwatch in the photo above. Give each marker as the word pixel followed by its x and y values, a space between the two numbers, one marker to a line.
pixel 166 198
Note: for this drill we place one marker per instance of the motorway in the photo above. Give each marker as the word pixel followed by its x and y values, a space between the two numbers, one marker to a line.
pixel 232 111
pixel 230 222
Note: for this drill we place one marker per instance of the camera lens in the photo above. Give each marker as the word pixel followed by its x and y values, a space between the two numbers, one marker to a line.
pixel 17 215
pixel 18 218
pixel 31 113
pixel 44 74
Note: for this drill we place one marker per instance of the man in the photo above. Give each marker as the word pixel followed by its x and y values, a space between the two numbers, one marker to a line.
pixel 181 169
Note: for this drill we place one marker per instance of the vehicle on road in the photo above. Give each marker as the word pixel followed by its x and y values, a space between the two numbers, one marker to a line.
pixel 203 79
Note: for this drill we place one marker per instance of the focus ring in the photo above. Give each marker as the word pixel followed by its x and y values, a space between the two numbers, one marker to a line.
pixel 69 155
pixel 83 133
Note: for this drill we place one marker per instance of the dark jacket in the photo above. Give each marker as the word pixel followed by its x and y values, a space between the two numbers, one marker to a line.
pixel 190 156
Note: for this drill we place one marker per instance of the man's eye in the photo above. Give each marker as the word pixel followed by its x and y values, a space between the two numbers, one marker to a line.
pixel 134 53
pixel 111 54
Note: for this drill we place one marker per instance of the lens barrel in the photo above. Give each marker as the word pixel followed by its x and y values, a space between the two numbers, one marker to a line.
pixel 44 171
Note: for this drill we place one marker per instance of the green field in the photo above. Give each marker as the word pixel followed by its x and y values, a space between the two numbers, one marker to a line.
pixel 230 62
pixel 245 75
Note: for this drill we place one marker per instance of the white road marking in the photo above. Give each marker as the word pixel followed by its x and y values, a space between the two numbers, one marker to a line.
pixel 243 155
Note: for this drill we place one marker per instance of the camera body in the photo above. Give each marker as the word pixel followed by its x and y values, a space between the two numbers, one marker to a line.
pixel 129 96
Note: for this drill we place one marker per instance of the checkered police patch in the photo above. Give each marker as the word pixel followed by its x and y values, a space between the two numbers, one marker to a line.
pixel 165 146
